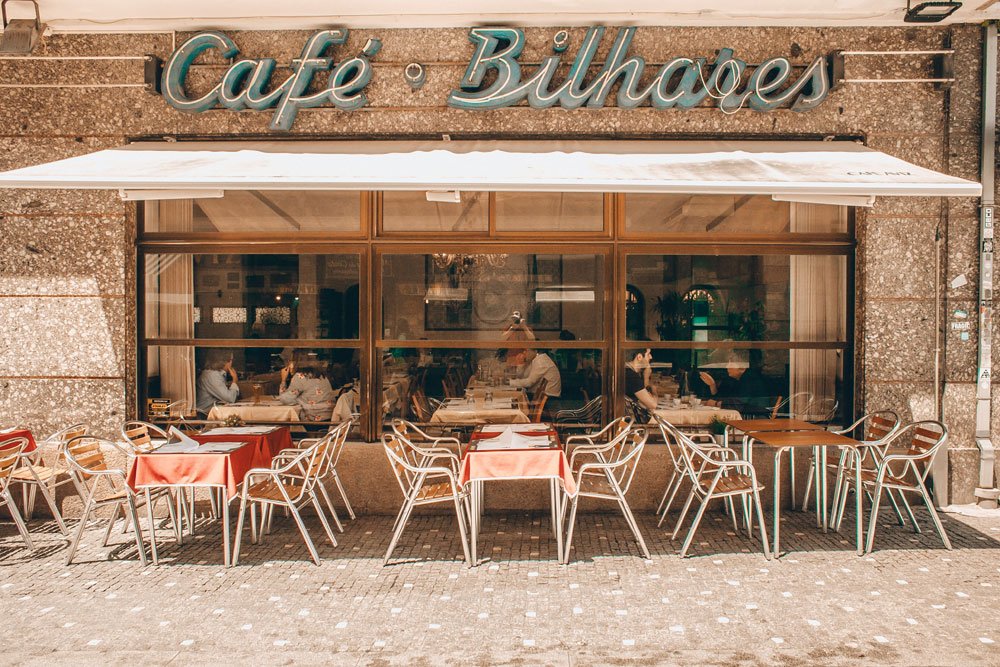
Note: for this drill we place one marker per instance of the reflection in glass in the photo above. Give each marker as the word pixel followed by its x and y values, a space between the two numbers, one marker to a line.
pixel 751 382
pixel 728 214
pixel 736 297
pixel 549 211
pixel 441 386
pixel 259 212
pixel 199 378
pixel 558 296
pixel 411 212
pixel 251 296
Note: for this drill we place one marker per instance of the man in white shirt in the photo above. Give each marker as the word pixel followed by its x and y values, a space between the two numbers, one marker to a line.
pixel 536 367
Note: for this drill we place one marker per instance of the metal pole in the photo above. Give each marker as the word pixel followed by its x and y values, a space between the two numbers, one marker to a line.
pixel 986 493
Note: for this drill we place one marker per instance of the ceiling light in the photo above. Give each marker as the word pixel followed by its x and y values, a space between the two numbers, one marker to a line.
pixel 930 12
pixel 19 35
pixel 445 196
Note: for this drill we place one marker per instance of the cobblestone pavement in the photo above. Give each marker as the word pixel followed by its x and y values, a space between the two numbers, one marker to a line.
pixel 911 602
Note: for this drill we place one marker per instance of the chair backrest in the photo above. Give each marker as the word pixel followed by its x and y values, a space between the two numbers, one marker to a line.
pixel 922 439
pixel 822 410
pixel 339 439
pixel 672 443
pixel 629 450
pixel 636 411
pixel 796 405
pixel 694 456
pixel 402 458
pixel 139 435
pixel 538 390
pixel 539 407
pixel 84 454
pixel 881 425
pixel 10 450
pixel 421 408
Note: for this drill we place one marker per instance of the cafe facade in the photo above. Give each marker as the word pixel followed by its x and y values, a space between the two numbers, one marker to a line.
pixel 383 204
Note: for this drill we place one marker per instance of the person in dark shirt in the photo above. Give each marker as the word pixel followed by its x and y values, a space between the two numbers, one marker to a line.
pixel 741 389
pixel 637 374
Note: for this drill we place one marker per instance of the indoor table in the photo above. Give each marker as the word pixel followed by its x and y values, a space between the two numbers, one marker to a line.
pixel 695 415
pixel 538 456
pixel 267 410
pixel 472 411
pixel 817 440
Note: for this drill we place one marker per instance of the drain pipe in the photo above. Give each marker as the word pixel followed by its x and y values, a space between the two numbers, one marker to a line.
pixel 986 493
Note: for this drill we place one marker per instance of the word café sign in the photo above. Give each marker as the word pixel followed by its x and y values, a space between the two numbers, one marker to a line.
pixel 682 82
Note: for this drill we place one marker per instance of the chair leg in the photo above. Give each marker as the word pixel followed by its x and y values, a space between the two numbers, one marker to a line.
pixel 16 515
pixel 305 534
pixel 666 491
pixel 463 534
pixel 79 531
pixel 895 508
pixel 134 516
pixel 111 523
pixel 569 530
pixel 401 519
pixel 333 512
pixel 239 528
pixel 347 503
pixel 791 471
pixel 52 506
pixel 322 518
pixel 934 516
pixel 876 497
pixel 909 510
pixel 694 525
pixel 152 528
pixel 760 522
pixel 809 482
pixel 630 518
pixel 253 522
pixel 680 519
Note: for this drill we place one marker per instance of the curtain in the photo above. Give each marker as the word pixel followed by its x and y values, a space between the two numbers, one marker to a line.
pixel 818 290
pixel 171 277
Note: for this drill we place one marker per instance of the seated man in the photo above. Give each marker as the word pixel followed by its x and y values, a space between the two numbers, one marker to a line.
pixel 217 382
pixel 637 374
pixel 741 389
pixel 309 389
pixel 537 366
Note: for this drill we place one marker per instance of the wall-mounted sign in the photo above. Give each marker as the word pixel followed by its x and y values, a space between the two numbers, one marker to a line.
pixel 682 82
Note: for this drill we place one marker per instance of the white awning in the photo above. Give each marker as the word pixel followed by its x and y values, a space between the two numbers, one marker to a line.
pixel 837 172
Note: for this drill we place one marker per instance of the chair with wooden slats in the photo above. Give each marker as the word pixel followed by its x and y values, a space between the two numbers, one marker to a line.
pixel 290 485
pixel 538 409
pixel 105 486
pixel 602 445
pixel 10 457
pixel 716 473
pixel 45 469
pixel 875 429
pixel 906 472
pixel 413 469
pixel 609 480
pixel 143 436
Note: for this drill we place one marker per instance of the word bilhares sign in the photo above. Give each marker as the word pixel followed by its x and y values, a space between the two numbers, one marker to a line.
pixel 682 82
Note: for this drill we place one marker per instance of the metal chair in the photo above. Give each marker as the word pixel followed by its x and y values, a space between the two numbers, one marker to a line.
pixel 86 459
pixel 10 456
pixel 877 427
pixel 588 414
pixel 635 410
pixel 613 484
pixel 902 473
pixel 731 478
pixel 413 468
pixel 34 473
pixel 143 436
pixel 290 485
pixel 603 445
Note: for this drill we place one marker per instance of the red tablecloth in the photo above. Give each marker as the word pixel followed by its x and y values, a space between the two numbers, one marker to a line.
pixel 227 469
pixel 19 433
pixel 517 464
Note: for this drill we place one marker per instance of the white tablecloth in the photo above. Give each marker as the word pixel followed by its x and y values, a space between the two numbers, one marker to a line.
pixel 700 415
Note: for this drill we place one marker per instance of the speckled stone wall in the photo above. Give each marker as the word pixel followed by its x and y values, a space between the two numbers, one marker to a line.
pixel 67 259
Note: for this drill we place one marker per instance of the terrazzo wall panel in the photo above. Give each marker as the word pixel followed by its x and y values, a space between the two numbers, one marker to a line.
pixel 67 260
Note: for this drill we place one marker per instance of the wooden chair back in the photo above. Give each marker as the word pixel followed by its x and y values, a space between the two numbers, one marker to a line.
pixel 539 408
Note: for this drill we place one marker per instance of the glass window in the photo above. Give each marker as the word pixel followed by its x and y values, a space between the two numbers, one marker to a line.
pixel 197 379
pixel 252 296
pixel 475 296
pixel 412 212
pixel 655 214
pixel 460 387
pixel 549 211
pixel 752 382
pixel 736 297
pixel 259 212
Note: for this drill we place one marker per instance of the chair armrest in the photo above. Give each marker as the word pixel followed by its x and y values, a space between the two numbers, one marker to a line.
pixel 586 438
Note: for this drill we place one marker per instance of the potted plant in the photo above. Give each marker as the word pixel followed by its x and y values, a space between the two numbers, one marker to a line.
pixel 718 430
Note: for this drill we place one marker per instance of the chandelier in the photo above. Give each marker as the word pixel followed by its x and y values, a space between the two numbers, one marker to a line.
pixel 461 263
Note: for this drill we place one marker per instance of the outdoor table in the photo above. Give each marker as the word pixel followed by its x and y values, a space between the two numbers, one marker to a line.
pixel 467 411
pixel 268 410
pixel 10 434
pixel 818 440
pixel 697 415
pixel 221 463
pixel 480 464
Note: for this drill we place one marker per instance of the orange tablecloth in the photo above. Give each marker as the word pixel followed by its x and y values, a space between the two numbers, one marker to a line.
pixel 517 464
pixel 19 433
pixel 223 469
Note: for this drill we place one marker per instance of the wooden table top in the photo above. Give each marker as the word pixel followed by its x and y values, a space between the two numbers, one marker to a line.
pixel 761 425
pixel 801 438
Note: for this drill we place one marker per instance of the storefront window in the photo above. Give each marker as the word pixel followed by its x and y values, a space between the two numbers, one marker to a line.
pixel 550 211
pixel 414 212
pixel 660 214
pixel 259 212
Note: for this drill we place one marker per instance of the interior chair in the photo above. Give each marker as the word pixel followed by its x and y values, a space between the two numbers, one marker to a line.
pixel 290 484
pixel 45 469
pixel 635 410
pixel 906 472
pixel 10 456
pixel 588 414
pixel 613 484
pixel 106 486
pixel 716 476
pixel 413 469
